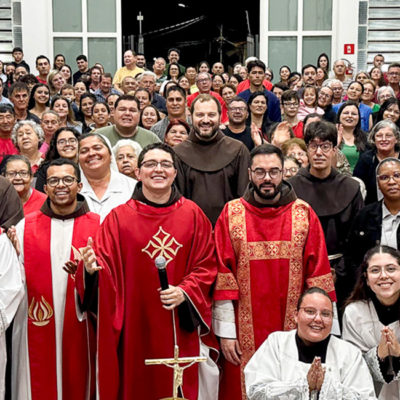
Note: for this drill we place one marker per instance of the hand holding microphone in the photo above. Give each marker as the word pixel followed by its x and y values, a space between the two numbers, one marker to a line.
pixel 170 296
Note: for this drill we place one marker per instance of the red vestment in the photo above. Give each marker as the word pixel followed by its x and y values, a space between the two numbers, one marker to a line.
pixel 132 325
pixel 267 257
pixel 76 360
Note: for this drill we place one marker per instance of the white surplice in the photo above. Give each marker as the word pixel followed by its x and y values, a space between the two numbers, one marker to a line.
pixel 60 248
pixel 11 294
pixel 361 326
pixel 275 372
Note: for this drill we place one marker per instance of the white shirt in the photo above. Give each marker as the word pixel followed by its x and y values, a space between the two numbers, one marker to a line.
pixel 390 224
pixel 118 192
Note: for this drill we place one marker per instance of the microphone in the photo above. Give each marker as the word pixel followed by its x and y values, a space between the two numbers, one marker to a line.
pixel 160 263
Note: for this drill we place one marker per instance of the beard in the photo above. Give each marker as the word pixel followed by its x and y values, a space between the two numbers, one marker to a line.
pixel 267 195
pixel 214 130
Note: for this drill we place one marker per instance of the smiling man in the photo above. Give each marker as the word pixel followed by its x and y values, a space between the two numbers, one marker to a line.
pixel 212 167
pixel 270 247
pixel 126 121
pixel 157 221
pixel 335 197
pixel 47 241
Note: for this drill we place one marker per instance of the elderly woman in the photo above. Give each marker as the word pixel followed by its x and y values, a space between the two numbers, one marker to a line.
pixel 291 167
pixel 308 362
pixel 126 153
pixel 17 169
pixel 102 185
pixel 297 149
pixel 371 318
pixel 374 223
pixel 64 144
pixel 177 132
pixel 27 137
pixel 385 140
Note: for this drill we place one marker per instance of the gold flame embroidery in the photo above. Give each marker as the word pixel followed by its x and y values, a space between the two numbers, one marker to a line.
pixel 40 312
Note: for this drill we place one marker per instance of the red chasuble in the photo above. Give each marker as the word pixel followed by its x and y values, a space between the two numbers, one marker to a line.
pixel 76 362
pixel 132 325
pixel 267 258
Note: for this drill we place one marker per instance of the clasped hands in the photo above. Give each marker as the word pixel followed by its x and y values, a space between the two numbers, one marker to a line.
pixel 388 345
pixel 316 375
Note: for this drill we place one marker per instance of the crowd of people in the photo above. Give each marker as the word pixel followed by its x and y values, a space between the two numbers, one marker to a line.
pixel 261 212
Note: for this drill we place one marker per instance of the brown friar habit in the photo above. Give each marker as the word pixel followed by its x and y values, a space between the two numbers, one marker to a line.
pixel 11 211
pixel 212 172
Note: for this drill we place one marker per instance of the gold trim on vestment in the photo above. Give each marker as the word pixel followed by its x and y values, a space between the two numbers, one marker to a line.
pixel 247 251
pixel 324 282
pixel 226 281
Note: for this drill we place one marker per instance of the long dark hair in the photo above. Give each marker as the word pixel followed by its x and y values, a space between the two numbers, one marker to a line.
pixel 32 102
pixel 361 290
pixel 319 57
pixel 360 138
pixel 386 104
pixel 266 123
pixel 53 153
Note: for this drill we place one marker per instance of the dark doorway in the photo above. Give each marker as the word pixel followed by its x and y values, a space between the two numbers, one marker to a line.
pixel 163 27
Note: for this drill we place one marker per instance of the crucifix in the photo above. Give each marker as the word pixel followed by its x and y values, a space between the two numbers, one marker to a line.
pixel 175 363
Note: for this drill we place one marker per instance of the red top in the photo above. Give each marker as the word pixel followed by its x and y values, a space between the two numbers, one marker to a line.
pixel 7 148
pixel 244 85
pixel 298 130
pixel 34 202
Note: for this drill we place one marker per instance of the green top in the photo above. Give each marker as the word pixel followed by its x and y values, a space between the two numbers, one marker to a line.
pixel 352 155
pixel 142 136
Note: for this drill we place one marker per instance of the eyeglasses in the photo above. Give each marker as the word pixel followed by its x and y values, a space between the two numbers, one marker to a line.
pixel 386 178
pixel 379 136
pixel 261 173
pixel 312 312
pixel 63 142
pixel 389 269
pixel 325 147
pixel 292 170
pixel 12 174
pixel 203 80
pixel 291 105
pixel 324 95
pixel 239 109
pixel 151 164
pixel 298 155
pixel 66 180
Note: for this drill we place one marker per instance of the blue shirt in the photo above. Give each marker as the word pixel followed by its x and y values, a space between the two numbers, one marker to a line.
pixel 365 112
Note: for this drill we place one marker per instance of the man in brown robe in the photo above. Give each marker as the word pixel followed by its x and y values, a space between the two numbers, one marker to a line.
pixel 212 168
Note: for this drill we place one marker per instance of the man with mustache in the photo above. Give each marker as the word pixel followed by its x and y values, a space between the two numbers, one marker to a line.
pixel 270 248
pixel 212 168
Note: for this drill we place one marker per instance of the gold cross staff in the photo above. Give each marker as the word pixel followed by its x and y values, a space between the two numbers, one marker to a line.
pixel 178 370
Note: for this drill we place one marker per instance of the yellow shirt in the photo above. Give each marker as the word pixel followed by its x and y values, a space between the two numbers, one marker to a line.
pixel 123 72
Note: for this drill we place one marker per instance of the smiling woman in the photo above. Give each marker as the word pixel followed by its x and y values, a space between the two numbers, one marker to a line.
pixel 371 318
pixel 102 185
pixel 308 360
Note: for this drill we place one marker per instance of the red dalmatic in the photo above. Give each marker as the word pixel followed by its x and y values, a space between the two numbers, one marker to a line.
pixel 132 325
pixel 267 257
pixel 76 360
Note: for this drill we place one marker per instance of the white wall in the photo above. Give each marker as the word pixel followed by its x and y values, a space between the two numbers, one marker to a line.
pixel 37 24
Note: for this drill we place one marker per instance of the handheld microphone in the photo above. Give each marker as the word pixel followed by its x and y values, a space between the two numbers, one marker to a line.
pixel 160 263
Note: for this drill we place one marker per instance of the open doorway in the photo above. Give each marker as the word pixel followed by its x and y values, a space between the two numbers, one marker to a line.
pixel 201 30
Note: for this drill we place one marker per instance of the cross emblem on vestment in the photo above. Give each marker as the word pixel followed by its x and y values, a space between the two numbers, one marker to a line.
pixel 162 244
pixel 175 363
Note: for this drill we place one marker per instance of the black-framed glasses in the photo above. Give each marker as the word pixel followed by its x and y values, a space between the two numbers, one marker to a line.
pixel 325 147
pixel 154 164
pixel 66 180
pixel 261 173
